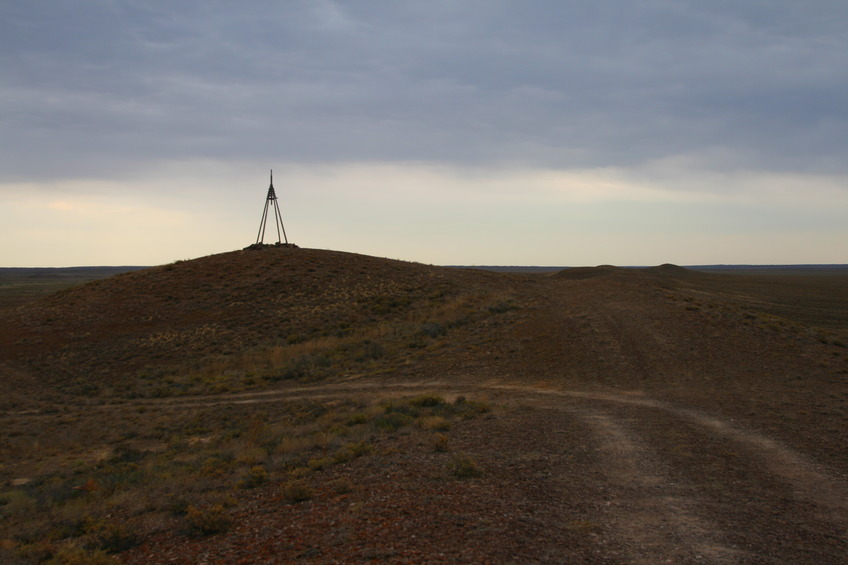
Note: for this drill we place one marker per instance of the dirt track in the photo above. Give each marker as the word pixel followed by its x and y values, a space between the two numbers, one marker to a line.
pixel 631 430
pixel 591 477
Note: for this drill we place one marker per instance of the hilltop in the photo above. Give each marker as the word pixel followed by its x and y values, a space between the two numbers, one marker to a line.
pixel 297 405
pixel 192 312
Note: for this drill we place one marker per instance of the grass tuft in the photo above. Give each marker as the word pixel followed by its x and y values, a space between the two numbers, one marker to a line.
pixel 208 521
pixel 463 466
pixel 295 491
pixel 255 477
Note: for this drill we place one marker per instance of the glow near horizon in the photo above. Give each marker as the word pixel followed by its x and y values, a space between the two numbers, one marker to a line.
pixel 436 214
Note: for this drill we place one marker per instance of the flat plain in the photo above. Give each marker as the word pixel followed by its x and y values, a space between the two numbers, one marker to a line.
pixel 288 405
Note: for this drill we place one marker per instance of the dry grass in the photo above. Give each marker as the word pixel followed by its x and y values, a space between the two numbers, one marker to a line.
pixel 463 466
pixel 196 464
pixel 366 348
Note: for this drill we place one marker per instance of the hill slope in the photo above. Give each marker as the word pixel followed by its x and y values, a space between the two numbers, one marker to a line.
pixel 189 313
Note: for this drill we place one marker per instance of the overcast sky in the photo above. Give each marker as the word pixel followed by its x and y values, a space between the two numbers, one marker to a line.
pixel 550 132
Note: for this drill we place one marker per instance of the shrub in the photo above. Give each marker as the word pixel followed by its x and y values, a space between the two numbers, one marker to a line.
pixel 352 451
pixel 434 330
pixel 440 443
pixel 435 423
pixel 108 536
pixel 295 491
pixel 320 463
pixel 470 408
pixel 252 456
pixel 392 421
pixel 255 477
pixel 38 552
pixel 215 466
pixel 357 418
pixel 502 306
pixel 464 467
pixel 208 521
pixel 304 366
pixel 177 506
pixel 341 486
pixel 371 350
pixel 426 401
pixel 79 556
pixel 16 503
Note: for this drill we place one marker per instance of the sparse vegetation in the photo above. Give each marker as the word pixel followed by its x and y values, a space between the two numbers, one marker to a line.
pixel 201 454
pixel 463 466
pixel 256 476
pixel 207 521
pixel 440 443
pixel 295 491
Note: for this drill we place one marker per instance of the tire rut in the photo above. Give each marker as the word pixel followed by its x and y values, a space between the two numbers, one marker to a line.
pixel 654 517
pixel 763 502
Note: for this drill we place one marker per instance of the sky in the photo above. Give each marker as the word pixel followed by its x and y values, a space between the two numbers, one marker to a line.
pixel 448 132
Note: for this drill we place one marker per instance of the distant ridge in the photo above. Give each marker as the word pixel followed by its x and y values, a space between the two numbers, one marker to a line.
pixel 69 272
pixel 823 268
pixel 812 268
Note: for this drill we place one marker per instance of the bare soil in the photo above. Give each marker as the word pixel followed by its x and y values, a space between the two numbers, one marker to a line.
pixel 640 416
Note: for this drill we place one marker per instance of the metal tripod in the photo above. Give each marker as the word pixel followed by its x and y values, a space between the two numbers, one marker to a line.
pixel 278 219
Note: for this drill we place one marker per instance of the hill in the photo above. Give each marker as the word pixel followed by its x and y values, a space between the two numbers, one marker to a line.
pixel 294 405
pixel 191 314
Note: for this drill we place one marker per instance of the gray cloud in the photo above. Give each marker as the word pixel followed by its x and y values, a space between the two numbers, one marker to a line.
pixel 99 88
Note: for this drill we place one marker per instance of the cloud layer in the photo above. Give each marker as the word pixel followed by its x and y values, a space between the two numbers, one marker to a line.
pixel 94 86
pixel 669 104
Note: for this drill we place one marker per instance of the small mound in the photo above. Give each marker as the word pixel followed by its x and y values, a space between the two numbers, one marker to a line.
pixel 581 273
pixel 669 270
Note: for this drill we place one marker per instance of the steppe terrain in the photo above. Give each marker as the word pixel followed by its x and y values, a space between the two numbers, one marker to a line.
pixel 288 405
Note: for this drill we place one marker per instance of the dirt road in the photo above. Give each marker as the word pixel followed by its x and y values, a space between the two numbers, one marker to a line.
pixel 569 476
